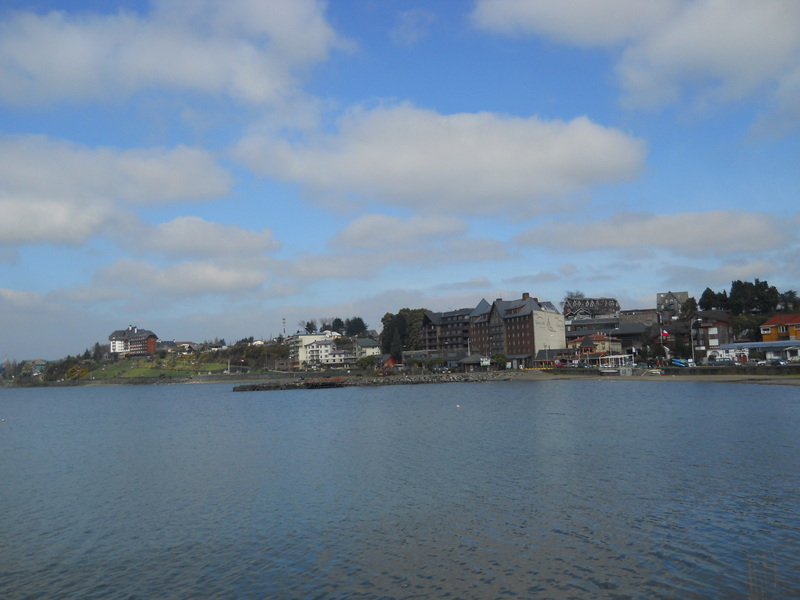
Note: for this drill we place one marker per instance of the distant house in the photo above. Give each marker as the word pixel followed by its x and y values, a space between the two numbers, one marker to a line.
pixel 780 328
pixel 595 344
pixel 133 341
pixel 670 304
pixel 366 347
pixel 591 308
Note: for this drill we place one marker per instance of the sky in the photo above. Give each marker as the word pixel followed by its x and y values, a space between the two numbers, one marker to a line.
pixel 229 168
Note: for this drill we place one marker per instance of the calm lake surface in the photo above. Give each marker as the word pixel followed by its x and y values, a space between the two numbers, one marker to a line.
pixel 553 489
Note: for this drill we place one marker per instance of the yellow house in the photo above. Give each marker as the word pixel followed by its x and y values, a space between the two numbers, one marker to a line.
pixel 780 328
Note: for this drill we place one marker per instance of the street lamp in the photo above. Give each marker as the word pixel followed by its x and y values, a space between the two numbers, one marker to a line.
pixel 691 336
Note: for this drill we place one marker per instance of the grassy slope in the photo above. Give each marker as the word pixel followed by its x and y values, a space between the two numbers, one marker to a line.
pixel 144 367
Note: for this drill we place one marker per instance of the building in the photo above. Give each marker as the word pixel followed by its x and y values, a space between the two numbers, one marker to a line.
pixel 596 345
pixel 366 347
pixel 590 308
pixel 446 332
pixel 516 328
pixel 670 304
pixel 301 344
pixel 133 341
pixel 780 328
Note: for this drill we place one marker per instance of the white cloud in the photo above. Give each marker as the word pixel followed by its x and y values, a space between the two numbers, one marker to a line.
pixel 716 51
pixel 412 26
pixel 476 283
pixel 584 22
pixel 706 50
pixel 193 237
pixel 462 163
pixel 32 220
pixel 720 277
pixel 42 166
pixel 57 192
pixel 196 278
pixel 713 232
pixel 247 49
pixel 384 231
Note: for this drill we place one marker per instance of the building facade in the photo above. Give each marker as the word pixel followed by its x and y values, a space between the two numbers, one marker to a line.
pixel 781 328
pixel 132 341
pixel 516 328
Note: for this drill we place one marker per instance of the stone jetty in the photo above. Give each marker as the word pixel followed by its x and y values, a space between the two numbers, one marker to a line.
pixel 334 382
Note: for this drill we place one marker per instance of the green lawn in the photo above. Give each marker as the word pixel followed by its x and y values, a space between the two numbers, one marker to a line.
pixel 145 367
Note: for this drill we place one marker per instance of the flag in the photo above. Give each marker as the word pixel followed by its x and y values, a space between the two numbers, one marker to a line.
pixel 665 333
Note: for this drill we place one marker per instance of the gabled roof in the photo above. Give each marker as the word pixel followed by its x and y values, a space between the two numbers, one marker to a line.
pixel 483 308
pixel 782 320
pixel 131 333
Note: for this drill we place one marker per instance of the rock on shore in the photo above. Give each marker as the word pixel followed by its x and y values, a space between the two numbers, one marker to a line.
pixel 332 382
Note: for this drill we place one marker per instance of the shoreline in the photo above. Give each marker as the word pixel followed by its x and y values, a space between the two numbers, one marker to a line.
pixel 278 381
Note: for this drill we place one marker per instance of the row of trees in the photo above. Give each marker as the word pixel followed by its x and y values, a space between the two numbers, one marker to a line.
pixel 750 298
pixel 352 327
pixel 401 331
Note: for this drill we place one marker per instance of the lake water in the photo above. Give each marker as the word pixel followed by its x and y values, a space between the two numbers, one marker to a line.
pixel 558 489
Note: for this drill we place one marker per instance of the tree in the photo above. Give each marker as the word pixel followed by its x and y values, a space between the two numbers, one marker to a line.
pixel 408 322
pixel 788 300
pixel 310 326
pixel 689 307
pixel 338 325
pixel 500 360
pixel 354 327
pixel 710 300
pixel 365 363
pixel 396 348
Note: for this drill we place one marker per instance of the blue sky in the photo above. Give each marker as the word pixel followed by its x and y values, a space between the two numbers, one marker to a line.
pixel 212 168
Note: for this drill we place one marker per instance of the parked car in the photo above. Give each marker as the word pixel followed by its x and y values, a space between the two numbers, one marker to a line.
pixel 722 362
pixel 777 362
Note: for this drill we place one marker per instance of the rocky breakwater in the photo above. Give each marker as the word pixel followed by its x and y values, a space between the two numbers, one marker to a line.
pixel 334 382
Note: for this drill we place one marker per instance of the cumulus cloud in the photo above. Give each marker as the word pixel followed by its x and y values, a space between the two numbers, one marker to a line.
pixel 193 278
pixel 463 163
pixel 706 50
pixel 43 166
pixel 476 283
pixel 193 237
pixel 720 277
pixel 246 49
pixel 584 22
pixel 33 219
pixel 713 232
pixel 382 231
pixel 715 51
pixel 58 192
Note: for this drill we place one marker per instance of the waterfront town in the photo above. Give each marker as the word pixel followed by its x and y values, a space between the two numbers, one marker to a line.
pixel 517 334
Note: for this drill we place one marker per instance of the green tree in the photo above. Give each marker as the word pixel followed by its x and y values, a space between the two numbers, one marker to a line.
pixel 396 348
pixel 355 327
pixel 500 360
pixel 788 300
pixel 408 322
pixel 689 307
pixel 338 326
pixel 366 363
pixel 710 300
